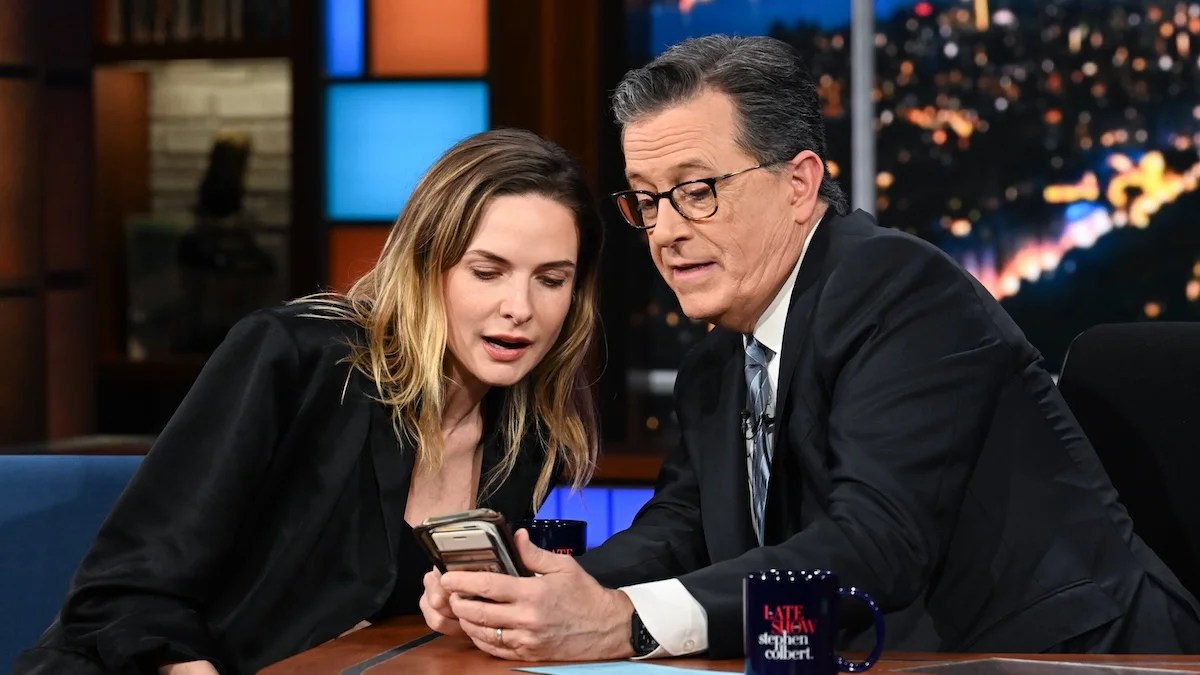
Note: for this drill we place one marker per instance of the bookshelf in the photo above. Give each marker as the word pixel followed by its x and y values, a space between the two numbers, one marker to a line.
pixel 157 124
pixel 191 22
pixel 166 30
pixel 115 54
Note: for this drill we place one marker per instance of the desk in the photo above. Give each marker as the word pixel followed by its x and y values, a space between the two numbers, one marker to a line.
pixel 404 645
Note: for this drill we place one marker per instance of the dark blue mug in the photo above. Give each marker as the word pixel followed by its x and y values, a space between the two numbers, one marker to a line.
pixel 789 623
pixel 568 537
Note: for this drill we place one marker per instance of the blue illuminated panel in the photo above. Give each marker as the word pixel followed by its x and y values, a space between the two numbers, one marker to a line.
pixel 344 38
pixel 626 502
pixel 382 136
pixel 606 510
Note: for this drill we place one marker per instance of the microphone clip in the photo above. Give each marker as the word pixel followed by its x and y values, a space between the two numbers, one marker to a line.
pixel 751 424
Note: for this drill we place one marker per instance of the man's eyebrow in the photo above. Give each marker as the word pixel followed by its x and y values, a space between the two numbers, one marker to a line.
pixel 682 166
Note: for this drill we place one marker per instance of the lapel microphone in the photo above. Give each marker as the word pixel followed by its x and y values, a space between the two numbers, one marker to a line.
pixel 751 424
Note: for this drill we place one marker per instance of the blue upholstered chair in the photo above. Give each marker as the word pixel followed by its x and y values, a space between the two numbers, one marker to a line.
pixel 50 509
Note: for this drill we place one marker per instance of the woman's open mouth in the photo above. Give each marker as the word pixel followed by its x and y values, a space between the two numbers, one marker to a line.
pixel 505 348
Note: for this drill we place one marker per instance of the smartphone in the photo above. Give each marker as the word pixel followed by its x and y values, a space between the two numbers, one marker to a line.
pixel 475 540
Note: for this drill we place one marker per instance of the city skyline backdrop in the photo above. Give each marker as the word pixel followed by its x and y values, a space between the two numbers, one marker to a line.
pixel 1049 147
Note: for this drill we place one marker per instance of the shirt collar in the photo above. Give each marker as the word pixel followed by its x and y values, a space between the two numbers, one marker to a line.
pixel 769 328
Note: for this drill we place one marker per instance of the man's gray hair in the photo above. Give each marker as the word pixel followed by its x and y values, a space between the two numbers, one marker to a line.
pixel 778 108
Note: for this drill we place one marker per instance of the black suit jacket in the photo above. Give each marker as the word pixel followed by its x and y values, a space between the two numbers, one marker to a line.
pixel 922 453
pixel 266 520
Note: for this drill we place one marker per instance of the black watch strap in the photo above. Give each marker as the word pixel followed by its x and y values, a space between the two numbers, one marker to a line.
pixel 639 638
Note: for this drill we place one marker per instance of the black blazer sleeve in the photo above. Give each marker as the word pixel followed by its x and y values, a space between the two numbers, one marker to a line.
pixel 911 366
pixel 138 597
pixel 666 538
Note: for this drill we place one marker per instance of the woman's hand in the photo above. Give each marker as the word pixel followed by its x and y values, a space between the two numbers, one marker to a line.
pixel 435 605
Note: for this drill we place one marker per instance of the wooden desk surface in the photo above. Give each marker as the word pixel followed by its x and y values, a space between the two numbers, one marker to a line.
pixel 405 645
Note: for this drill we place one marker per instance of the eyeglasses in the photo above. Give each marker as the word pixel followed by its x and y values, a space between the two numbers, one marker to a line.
pixel 694 200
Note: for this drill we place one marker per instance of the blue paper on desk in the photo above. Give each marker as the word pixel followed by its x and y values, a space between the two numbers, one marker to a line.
pixel 612 668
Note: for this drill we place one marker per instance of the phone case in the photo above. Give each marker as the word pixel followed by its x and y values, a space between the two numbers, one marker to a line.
pixel 487 517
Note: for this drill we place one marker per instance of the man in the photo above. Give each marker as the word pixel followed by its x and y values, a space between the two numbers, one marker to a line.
pixel 863 406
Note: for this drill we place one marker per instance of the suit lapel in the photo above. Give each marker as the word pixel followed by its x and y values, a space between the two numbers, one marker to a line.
pixel 800 307
pixel 720 443
pixel 795 337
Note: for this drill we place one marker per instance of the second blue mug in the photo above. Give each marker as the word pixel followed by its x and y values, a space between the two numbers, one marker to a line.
pixel 568 537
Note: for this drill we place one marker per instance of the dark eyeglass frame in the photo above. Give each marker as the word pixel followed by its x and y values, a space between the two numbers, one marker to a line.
pixel 657 197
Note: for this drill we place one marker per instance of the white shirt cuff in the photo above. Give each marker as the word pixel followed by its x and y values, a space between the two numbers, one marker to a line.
pixel 672 616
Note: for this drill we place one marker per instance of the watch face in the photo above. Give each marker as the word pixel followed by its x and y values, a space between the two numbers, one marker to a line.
pixel 643 642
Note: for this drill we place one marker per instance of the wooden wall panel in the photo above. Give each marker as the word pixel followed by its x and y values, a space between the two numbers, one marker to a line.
pixel 122 129
pixel 515 66
pixel 22 386
pixel 543 70
pixel 18 42
pixel 306 240
pixel 68 33
pixel 571 96
pixel 20 240
pixel 70 366
pixel 67 177
pixel 67 184
pixel 352 251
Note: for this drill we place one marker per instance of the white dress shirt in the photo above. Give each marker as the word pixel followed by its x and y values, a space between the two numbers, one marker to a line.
pixel 666 609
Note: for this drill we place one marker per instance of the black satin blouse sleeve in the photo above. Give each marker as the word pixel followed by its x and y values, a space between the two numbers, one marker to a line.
pixel 137 599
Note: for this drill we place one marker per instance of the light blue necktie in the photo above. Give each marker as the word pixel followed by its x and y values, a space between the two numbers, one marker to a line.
pixel 757 357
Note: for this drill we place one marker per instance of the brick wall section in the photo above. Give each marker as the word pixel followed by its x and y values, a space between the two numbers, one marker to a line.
pixel 190 101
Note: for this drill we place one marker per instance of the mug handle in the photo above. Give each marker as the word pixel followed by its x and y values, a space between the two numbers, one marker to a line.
pixel 858 666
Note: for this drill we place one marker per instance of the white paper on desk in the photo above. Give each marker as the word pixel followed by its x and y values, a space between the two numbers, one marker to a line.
pixel 611 668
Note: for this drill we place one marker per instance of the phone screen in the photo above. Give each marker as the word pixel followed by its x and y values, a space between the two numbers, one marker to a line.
pixel 473 547
pixel 467 551
pixel 471 540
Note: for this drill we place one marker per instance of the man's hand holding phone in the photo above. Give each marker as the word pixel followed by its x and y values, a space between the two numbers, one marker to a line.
pixel 529 604
pixel 561 613
pixel 476 540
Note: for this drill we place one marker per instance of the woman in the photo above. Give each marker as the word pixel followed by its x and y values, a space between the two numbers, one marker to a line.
pixel 275 511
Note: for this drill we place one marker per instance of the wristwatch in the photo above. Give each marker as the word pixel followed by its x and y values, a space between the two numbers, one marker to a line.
pixel 639 638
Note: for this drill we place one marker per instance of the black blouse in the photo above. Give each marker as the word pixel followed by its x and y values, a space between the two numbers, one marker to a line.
pixel 268 517
pixel 410 582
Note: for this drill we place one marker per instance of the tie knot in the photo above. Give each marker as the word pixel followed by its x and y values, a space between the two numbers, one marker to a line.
pixel 757 353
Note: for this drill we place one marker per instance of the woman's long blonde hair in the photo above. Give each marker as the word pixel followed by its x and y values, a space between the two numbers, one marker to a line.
pixel 399 304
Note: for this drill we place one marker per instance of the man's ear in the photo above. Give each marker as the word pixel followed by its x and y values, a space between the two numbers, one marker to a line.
pixel 805 171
